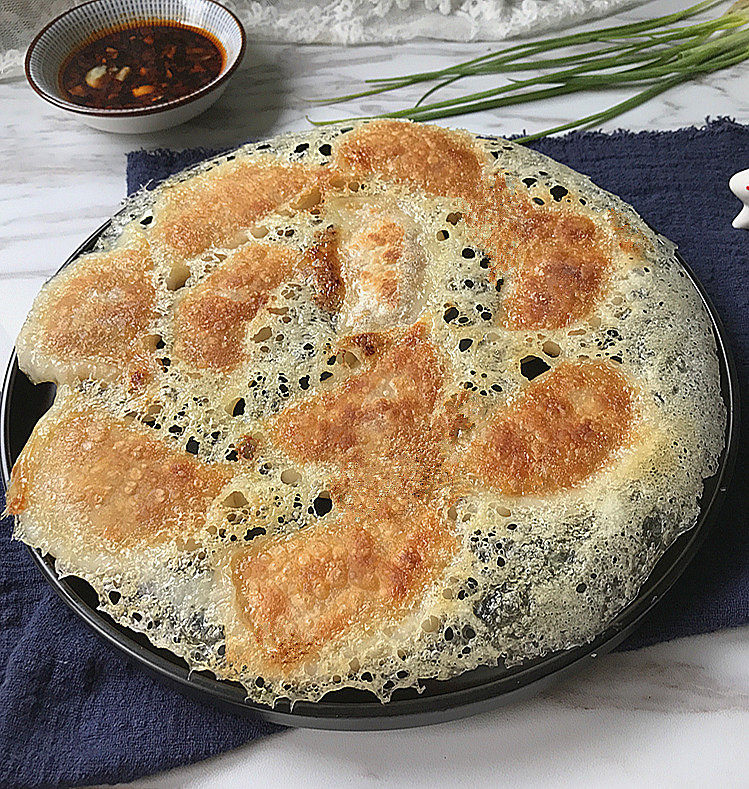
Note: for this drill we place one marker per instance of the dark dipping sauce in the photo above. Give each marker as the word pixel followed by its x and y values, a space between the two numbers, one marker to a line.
pixel 140 66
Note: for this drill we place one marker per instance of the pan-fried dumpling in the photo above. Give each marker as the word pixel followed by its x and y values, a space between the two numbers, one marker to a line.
pixel 368 405
pixel 106 484
pixel 94 320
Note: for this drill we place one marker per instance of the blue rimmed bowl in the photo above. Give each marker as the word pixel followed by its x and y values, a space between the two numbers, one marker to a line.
pixel 71 30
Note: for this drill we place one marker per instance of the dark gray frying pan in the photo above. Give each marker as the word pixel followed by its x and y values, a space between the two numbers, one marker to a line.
pixel 23 404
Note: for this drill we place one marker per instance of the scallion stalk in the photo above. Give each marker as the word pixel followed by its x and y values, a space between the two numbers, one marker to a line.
pixel 654 55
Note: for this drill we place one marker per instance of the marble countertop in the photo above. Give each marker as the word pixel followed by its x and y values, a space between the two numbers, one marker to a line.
pixel 673 714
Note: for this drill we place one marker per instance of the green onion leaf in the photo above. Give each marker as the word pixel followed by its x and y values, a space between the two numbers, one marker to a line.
pixel 653 56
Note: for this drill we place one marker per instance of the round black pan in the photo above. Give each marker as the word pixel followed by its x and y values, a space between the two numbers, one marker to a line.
pixel 22 405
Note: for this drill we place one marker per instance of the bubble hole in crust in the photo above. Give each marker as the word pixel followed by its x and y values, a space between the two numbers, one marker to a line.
pixel 369 405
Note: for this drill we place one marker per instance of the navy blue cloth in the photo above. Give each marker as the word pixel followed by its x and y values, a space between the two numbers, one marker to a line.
pixel 73 711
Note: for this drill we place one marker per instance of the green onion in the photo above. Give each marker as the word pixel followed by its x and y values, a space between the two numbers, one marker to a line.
pixel 653 55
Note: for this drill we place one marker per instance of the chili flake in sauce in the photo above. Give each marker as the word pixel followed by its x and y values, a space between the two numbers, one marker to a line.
pixel 140 66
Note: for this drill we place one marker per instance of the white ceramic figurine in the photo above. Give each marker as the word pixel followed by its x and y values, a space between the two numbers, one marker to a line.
pixel 739 185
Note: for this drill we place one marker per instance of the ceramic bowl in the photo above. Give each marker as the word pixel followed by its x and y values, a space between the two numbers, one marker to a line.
pixel 51 47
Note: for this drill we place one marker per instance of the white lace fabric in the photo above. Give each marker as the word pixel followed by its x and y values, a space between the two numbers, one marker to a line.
pixel 344 21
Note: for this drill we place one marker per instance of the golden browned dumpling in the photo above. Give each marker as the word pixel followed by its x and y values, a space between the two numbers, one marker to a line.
pixel 93 319
pixel 368 405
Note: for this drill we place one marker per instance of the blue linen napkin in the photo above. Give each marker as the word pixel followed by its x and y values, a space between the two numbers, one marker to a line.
pixel 73 711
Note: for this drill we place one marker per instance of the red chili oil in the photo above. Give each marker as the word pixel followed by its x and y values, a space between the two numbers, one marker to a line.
pixel 141 66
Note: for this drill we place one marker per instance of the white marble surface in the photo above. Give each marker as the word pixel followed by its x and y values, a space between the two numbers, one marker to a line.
pixel 671 715
pixel 674 714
